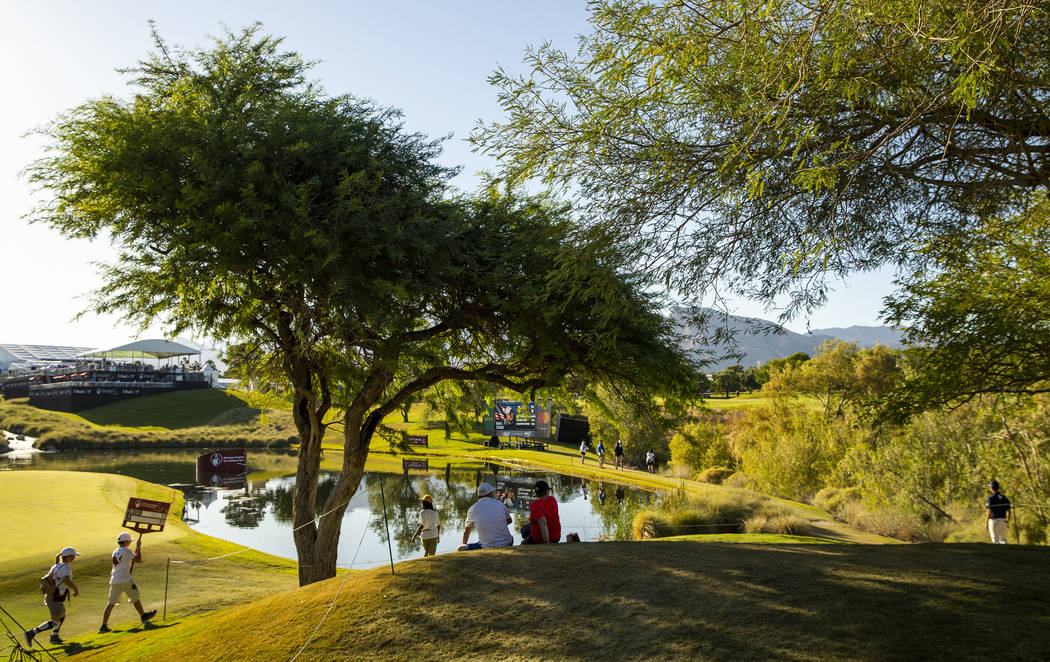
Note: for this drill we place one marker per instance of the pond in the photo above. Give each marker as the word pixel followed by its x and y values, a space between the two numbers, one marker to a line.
pixel 259 515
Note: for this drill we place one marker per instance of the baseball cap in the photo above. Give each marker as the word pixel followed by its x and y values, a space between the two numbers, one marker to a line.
pixel 541 486
pixel 427 498
pixel 124 537
pixel 994 484
pixel 69 551
pixel 485 489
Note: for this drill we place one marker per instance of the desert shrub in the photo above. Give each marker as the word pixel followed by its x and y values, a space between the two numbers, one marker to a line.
pixel 650 524
pixel 714 475
pixel 834 499
pixel 725 511
pixel 792 525
pixel 739 480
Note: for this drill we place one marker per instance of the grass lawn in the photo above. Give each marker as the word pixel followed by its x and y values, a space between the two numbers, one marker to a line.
pixel 43 511
pixel 635 601
pixel 750 400
pixel 168 411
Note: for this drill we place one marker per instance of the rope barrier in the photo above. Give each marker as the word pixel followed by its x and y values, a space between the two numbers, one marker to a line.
pixel 364 529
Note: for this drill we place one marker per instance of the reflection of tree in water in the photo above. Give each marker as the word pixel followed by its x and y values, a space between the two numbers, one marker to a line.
pixel 451 499
pixel 618 508
pixel 281 496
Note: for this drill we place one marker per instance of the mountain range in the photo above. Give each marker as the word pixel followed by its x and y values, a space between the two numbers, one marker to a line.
pixel 758 341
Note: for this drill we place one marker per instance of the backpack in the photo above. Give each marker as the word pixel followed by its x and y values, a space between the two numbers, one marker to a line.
pixel 47 584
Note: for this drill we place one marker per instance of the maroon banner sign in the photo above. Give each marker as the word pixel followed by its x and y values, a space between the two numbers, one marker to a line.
pixel 417 439
pixel 146 516
pixel 420 465
pixel 225 461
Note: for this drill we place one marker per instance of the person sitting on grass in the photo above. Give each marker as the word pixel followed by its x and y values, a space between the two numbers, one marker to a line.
pixel 491 518
pixel 55 601
pixel 544 524
pixel 120 580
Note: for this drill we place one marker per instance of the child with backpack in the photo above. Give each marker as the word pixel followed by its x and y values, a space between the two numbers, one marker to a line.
pixel 55 586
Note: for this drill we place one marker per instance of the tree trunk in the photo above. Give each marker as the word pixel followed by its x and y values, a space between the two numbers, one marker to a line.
pixel 309 414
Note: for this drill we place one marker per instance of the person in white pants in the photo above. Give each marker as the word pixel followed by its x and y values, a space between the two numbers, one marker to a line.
pixel 998 507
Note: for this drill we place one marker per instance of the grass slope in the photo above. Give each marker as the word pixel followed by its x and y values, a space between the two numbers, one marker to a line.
pixel 654 600
pixel 44 511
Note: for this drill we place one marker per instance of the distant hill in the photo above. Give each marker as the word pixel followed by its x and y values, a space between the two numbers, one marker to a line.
pixel 759 340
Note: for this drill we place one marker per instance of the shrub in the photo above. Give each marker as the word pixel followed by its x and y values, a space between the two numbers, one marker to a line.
pixel 791 525
pixel 714 475
pixel 739 480
pixel 649 524
pixel 835 499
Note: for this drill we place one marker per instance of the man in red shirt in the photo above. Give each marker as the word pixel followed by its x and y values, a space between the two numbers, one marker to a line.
pixel 544 525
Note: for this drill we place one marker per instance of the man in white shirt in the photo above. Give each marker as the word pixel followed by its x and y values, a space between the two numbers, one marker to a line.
pixel 120 580
pixel 491 518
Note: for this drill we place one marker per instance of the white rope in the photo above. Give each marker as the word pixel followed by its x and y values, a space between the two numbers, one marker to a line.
pixel 364 529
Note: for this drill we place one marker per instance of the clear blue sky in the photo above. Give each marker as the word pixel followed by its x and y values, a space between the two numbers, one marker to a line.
pixel 430 59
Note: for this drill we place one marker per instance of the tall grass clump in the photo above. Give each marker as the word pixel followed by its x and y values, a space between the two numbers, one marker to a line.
pixel 726 511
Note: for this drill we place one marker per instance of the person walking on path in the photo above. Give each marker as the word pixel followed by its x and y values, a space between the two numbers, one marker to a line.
pixel 618 454
pixel 601 454
pixel 55 601
pixel 120 580
pixel 998 514
pixel 429 530
pixel 544 523
pixel 583 451
pixel 491 518
pixel 650 461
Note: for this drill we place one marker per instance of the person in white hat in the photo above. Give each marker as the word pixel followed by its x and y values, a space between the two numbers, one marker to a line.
pixel 120 580
pixel 62 577
pixel 491 518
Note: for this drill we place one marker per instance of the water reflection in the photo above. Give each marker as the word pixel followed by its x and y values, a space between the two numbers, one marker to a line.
pixel 259 515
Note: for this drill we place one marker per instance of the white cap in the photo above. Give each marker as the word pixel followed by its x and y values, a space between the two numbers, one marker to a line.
pixel 124 537
pixel 68 551
pixel 485 489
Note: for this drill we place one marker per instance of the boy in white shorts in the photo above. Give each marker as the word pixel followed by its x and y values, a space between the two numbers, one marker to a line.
pixel 120 580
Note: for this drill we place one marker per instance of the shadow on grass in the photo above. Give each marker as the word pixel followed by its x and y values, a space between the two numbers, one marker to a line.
pixel 679 600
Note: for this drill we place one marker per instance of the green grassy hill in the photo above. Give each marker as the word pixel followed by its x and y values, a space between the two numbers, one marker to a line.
pixel 43 511
pixel 633 601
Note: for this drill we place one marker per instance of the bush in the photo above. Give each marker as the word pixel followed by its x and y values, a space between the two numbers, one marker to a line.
pixel 835 499
pixel 649 524
pixel 739 480
pixel 791 525
pixel 714 475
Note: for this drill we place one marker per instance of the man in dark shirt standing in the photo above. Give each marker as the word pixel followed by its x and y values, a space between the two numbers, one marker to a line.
pixel 998 514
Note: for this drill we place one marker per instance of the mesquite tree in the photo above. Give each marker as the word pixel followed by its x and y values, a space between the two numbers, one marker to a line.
pixel 318 234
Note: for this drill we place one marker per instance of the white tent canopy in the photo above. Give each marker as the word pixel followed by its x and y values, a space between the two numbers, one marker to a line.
pixel 153 349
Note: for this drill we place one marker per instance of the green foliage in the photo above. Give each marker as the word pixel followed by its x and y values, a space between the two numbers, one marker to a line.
pixel 789 451
pixel 977 319
pixel 784 524
pixel 729 379
pixel 639 423
pixel 714 475
pixel 724 511
pixel 318 235
pixel 763 144
pixel 839 376
pixel 700 444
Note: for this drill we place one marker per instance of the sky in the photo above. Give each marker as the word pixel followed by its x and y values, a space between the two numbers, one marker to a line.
pixel 429 59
